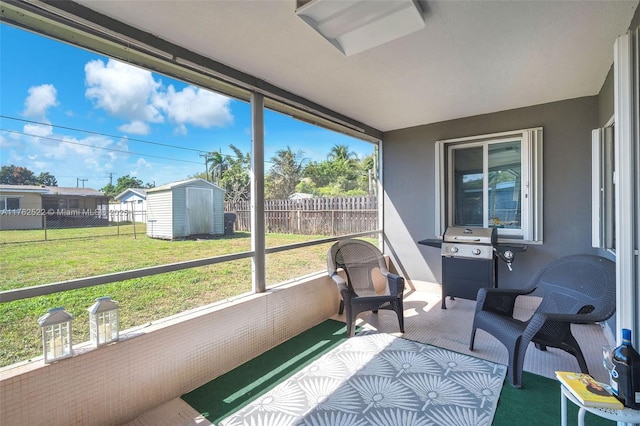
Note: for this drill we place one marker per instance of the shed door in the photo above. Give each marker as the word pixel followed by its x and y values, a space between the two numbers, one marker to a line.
pixel 199 211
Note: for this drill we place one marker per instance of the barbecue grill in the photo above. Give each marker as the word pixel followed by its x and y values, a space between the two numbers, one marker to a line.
pixel 468 261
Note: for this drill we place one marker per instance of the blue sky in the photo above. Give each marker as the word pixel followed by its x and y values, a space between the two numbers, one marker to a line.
pixel 79 115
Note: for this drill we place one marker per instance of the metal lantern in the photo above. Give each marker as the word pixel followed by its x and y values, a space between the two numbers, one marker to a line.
pixel 56 334
pixel 103 321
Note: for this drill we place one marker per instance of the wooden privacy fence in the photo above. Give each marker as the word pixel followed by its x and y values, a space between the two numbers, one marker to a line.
pixel 312 216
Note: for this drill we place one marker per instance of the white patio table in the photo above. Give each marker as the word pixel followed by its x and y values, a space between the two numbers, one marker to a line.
pixel 626 415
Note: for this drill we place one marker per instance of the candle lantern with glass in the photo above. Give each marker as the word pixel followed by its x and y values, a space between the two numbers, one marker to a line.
pixel 56 334
pixel 103 321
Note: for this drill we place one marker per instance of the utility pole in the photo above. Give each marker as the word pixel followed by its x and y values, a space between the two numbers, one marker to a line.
pixel 78 180
pixel 207 157
pixel 111 177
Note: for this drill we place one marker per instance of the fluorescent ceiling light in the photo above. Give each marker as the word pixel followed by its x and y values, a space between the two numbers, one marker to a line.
pixel 353 26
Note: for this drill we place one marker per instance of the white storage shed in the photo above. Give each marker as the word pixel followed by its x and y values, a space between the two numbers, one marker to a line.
pixel 132 207
pixel 185 208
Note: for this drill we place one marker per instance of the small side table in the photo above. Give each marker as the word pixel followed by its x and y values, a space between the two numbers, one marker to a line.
pixel 626 415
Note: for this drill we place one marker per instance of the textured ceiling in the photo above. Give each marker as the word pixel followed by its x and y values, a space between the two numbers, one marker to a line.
pixel 473 57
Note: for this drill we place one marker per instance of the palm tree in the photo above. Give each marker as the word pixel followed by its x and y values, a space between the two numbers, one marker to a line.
pixel 236 180
pixel 340 152
pixel 240 157
pixel 285 173
pixel 218 165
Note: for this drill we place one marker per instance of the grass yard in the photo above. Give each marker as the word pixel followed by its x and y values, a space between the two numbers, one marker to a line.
pixel 52 234
pixel 141 300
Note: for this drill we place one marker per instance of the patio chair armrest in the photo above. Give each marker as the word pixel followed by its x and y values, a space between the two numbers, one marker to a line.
pixel 499 301
pixel 340 282
pixel 588 318
pixel 396 284
pixel 538 320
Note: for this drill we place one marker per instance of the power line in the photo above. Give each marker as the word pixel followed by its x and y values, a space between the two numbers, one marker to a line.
pixel 100 134
pixel 99 147
pixel 108 135
pixel 199 151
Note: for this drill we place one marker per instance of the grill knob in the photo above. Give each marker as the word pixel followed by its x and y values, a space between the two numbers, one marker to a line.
pixel 476 251
pixel 453 249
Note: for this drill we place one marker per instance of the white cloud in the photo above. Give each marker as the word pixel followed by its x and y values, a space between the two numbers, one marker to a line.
pixel 142 167
pixel 10 142
pixel 143 163
pixel 68 148
pixel 13 158
pixel 180 130
pixel 94 165
pixel 122 90
pixel 42 166
pixel 68 157
pixel 120 146
pixel 136 127
pixel 39 100
pixel 138 99
pixel 133 94
pixel 41 130
pixel 196 106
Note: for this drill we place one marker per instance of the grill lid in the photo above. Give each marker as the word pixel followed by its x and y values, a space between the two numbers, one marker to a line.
pixel 470 235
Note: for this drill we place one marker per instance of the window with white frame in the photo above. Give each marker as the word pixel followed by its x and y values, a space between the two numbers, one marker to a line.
pixel 492 181
pixel 603 188
pixel 9 203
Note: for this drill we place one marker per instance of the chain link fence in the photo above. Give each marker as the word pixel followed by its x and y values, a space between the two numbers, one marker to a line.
pixel 30 225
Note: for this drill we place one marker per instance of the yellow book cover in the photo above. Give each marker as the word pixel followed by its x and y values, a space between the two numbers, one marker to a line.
pixel 589 392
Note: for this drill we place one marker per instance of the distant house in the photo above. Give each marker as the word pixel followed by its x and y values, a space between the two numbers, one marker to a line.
pixel 28 206
pixel 18 200
pixel 185 208
pixel 132 205
pixel 300 196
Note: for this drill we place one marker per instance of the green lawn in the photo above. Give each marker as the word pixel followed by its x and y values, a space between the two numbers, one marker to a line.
pixel 141 300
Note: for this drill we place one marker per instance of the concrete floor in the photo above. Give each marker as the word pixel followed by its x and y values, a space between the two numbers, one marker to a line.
pixel 426 322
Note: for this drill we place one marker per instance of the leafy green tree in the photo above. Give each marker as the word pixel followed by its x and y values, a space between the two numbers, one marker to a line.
pixel 236 180
pixel 46 178
pixel 201 175
pixel 218 164
pixel 320 173
pixel 369 178
pixel 15 175
pixel 340 152
pixel 307 186
pixel 285 173
pixel 340 174
pixel 123 183
pixel 109 190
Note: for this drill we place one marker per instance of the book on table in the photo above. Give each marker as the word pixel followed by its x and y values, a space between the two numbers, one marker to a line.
pixel 588 391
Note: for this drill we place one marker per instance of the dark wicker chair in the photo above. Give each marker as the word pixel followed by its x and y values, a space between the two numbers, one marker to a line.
pixel 363 263
pixel 577 289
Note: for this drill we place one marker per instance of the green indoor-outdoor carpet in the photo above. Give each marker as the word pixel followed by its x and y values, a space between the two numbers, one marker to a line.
pixel 377 379
pixel 230 392
pixel 536 404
